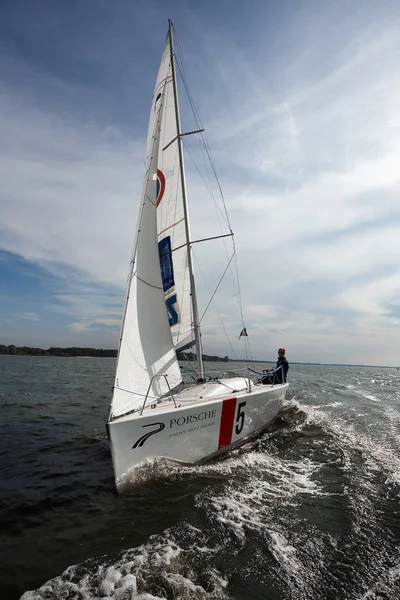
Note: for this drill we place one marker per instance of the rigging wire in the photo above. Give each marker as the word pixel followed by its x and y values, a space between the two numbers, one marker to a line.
pixel 219 316
pixel 191 365
pixel 205 146
pixel 224 213
pixel 216 289
pixel 204 181
pixel 205 142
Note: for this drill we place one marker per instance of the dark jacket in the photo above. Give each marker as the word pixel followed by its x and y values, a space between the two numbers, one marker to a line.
pixel 278 375
pixel 283 363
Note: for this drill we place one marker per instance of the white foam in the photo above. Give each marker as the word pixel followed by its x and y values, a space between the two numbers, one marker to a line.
pixel 285 553
pixel 182 585
pixel 245 505
pixel 360 392
pixel 133 573
pixel 368 396
pixel 376 444
pixel 333 404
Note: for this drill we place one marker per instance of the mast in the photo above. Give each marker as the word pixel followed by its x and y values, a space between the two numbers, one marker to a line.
pixel 196 324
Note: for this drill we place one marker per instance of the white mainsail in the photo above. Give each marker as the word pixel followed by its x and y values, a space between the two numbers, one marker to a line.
pixel 146 346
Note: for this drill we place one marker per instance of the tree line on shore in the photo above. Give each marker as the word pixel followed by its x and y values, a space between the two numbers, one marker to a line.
pixel 93 352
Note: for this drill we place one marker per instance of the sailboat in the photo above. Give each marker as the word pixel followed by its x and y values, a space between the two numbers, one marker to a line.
pixel 153 414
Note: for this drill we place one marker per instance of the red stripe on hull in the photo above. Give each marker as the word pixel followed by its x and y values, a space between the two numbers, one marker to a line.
pixel 227 418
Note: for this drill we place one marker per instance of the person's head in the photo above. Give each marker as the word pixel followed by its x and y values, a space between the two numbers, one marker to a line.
pixel 281 353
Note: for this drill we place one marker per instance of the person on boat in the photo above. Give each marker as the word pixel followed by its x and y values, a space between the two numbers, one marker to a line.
pixel 279 374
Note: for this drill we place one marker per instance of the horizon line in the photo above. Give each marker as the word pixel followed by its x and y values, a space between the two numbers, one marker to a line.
pixel 208 355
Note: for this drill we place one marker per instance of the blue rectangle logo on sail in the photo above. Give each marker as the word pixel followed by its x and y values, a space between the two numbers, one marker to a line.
pixel 167 267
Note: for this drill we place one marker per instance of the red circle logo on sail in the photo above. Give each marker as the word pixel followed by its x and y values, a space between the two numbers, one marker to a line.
pixel 160 186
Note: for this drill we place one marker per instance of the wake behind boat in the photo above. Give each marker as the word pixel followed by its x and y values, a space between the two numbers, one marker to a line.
pixel 153 413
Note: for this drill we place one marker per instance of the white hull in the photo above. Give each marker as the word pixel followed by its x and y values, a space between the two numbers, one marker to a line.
pixel 208 419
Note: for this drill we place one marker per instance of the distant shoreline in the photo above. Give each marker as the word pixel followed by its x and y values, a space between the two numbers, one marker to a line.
pixel 75 352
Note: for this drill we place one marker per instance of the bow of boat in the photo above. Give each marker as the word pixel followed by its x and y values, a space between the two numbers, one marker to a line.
pixel 195 425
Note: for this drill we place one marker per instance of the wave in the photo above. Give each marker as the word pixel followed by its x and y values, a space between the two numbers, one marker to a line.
pixel 308 510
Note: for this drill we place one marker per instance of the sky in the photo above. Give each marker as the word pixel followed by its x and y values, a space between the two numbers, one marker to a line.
pixel 301 105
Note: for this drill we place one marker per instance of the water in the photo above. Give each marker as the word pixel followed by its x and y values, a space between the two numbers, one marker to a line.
pixel 308 511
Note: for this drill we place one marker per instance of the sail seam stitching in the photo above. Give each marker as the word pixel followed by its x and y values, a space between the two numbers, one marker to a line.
pixel 157 287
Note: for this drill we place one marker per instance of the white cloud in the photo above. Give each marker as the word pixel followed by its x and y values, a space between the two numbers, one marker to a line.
pixel 67 191
pixel 29 316
pixel 94 324
pixel 310 171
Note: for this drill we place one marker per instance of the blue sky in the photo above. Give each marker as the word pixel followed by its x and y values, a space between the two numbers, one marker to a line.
pixel 301 104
